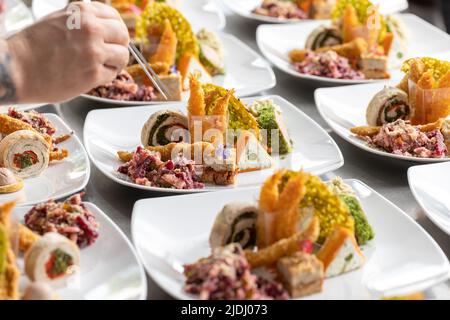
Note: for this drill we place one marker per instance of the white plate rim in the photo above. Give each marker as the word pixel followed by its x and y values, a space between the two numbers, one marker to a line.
pixel 336 165
pixel 429 282
pixel 352 139
pixel 410 176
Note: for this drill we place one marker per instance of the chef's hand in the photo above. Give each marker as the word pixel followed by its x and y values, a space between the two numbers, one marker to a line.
pixel 49 62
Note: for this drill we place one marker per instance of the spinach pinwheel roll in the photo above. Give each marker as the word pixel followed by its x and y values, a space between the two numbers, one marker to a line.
pixel 164 127
pixel 388 105
pixel 236 223
pixel 25 152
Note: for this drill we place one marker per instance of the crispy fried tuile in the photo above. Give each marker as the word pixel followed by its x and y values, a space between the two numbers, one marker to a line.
pixel 417 69
pixel 268 200
pixel 284 247
pixel 287 215
pixel 26 238
pixel 404 85
pixel 365 131
pixel 444 82
pixel 426 81
pixel 59 155
pixel 167 47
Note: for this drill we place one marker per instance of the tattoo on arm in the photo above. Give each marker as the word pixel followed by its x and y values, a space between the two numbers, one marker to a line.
pixel 7 86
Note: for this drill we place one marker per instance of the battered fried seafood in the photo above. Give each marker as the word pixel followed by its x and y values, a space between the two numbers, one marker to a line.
pixel 282 248
pixel 195 151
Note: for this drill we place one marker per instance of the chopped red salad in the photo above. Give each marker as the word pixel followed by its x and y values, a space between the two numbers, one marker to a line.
pixel 328 64
pixel 123 87
pixel 70 218
pixel 226 275
pixel 147 169
pixel 401 138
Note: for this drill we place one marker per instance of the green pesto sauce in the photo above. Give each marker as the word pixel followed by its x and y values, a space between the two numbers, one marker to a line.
pixel 61 263
pixel 160 119
pixel 363 230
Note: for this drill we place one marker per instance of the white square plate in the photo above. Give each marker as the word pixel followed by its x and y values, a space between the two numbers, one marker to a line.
pixel 61 178
pixel 108 130
pixel 345 107
pixel 244 8
pixel 275 42
pixel 245 71
pixel 110 268
pixel 430 185
pixel 401 259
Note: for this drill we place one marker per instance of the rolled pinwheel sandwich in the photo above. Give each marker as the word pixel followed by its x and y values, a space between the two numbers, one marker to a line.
pixel 388 105
pixel 236 223
pixel 53 259
pixel 25 152
pixel 322 37
pixel 164 127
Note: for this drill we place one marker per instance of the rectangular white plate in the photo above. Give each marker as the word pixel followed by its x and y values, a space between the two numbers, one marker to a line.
pixel 275 42
pixel 108 130
pixel 110 268
pixel 244 8
pixel 246 71
pixel 401 259
pixel 61 178
pixel 345 107
pixel 430 185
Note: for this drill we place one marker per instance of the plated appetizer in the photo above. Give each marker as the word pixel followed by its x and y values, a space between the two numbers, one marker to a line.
pixel 218 138
pixel 28 144
pixel 301 232
pixel 47 252
pixel 173 49
pixel 49 261
pixel 360 44
pixel 410 119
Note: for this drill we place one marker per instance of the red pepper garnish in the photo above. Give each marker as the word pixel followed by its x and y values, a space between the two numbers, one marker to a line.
pixel 306 246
